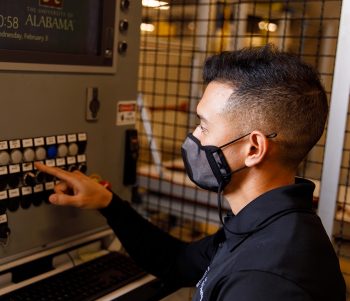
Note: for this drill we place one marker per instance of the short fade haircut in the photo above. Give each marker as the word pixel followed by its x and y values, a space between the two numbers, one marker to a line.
pixel 273 92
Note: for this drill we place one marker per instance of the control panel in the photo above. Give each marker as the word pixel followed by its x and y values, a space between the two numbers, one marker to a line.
pixel 60 107
pixel 21 185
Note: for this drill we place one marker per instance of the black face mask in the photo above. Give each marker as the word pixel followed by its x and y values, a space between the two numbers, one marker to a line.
pixel 206 165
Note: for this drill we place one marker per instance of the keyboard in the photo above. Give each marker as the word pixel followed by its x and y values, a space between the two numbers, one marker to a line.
pixel 85 282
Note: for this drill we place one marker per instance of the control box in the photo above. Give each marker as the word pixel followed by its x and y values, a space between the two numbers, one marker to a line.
pixel 45 117
pixel 21 185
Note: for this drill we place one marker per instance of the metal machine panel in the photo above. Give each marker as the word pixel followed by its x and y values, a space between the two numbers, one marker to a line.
pixel 53 103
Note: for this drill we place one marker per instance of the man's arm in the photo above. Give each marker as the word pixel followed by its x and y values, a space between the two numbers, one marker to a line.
pixel 176 262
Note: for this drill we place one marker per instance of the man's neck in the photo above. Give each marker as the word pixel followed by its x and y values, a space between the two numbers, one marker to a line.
pixel 239 194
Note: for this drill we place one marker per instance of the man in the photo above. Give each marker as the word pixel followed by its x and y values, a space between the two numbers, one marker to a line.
pixel 261 113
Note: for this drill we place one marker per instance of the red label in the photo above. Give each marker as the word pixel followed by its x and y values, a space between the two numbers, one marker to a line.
pixel 127 107
pixel 51 3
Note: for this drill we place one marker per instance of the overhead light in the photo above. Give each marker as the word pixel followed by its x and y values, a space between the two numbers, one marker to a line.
pixel 147 27
pixel 163 7
pixel 155 4
pixel 267 26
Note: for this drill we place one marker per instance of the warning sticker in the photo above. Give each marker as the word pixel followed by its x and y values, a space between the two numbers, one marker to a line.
pixel 126 112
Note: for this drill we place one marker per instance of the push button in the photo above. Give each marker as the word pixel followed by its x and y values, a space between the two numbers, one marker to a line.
pixel 123 25
pixel 4 158
pixel 28 155
pixel 27 197
pixel 122 47
pixel 82 141
pixel 52 152
pixel 40 153
pixel 124 5
pixel 16 156
pixel 62 150
pixel 14 198
pixel 73 149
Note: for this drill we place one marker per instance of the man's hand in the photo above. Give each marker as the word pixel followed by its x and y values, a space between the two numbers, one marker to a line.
pixel 76 189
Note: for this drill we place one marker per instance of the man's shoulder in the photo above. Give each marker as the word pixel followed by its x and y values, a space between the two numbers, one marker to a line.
pixel 298 236
pixel 296 249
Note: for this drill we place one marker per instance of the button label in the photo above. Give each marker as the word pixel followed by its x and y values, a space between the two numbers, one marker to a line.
pixel 27 190
pixel 81 158
pixel 15 144
pixel 13 193
pixel 27 166
pixel 38 188
pixel 3 195
pixel 3 170
pixel 82 137
pixel 3 145
pixel 50 140
pixel 14 168
pixel 72 138
pixel 39 141
pixel 27 142
pixel 61 139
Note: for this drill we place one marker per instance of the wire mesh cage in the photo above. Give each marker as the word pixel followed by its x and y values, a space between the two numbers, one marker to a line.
pixel 176 38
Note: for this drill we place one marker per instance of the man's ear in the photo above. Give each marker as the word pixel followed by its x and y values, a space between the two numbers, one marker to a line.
pixel 259 145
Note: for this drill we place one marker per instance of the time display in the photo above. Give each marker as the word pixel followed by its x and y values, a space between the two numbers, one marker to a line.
pixel 56 26
pixel 9 22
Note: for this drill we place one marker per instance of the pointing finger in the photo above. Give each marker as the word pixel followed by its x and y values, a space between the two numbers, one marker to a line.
pixel 57 172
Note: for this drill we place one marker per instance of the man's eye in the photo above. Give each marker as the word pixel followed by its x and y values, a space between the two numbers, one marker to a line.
pixel 203 129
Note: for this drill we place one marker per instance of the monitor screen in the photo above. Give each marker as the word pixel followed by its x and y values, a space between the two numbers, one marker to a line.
pixel 65 32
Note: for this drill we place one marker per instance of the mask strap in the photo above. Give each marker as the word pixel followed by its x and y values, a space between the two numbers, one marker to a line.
pixel 233 141
pixel 220 191
pixel 272 135
pixel 219 199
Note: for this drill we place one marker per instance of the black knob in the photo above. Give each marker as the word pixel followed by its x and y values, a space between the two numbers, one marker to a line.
pixel 13 180
pixel 13 204
pixel 40 177
pixel 124 5
pixel 3 182
pixel 94 107
pixel 122 47
pixel 81 147
pixel 82 168
pixel 123 25
pixel 29 179
pixel 72 168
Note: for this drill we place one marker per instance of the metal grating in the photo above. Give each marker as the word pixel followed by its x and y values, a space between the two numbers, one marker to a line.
pixel 175 40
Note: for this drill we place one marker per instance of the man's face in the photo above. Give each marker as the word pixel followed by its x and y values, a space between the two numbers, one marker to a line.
pixel 215 127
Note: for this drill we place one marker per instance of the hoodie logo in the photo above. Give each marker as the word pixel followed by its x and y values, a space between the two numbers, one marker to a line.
pixel 201 283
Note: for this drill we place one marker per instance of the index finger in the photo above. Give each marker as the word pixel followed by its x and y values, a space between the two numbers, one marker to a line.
pixel 55 171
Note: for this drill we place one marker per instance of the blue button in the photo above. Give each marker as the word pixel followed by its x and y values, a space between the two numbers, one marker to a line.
pixel 52 152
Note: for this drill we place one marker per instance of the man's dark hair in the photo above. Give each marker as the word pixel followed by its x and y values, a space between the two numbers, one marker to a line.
pixel 273 91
